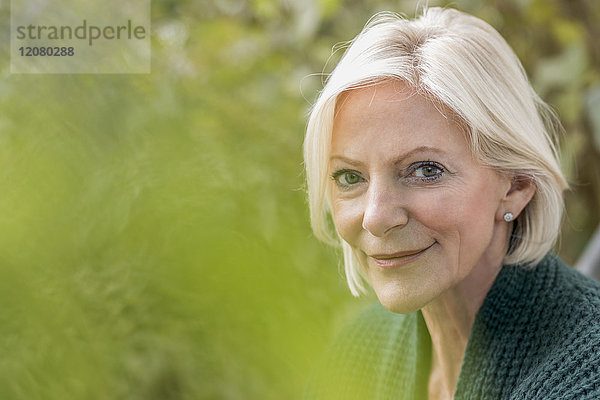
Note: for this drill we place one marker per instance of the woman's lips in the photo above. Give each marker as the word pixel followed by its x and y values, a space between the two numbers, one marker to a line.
pixel 398 259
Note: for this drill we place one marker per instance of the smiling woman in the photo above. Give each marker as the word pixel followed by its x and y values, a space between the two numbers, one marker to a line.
pixel 404 191
pixel 435 159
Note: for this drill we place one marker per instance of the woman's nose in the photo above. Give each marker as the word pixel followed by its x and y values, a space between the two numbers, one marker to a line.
pixel 384 210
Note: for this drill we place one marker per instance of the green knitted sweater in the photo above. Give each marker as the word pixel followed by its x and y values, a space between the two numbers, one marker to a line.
pixel 536 336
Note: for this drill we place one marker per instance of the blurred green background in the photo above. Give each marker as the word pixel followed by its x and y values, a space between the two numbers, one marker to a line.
pixel 154 234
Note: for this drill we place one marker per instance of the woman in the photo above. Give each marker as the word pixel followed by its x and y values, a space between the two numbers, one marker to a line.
pixel 435 159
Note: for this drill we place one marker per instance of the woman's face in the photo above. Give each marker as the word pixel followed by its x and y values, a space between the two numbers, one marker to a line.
pixel 419 212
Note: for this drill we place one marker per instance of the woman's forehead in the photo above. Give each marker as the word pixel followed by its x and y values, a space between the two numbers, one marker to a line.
pixel 386 104
pixel 395 102
pixel 395 89
pixel 383 123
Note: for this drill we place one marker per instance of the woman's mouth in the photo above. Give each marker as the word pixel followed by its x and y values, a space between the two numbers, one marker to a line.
pixel 399 259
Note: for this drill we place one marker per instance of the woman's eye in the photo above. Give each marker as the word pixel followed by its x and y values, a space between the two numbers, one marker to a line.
pixel 428 171
pixel 350 178
pixel 346 178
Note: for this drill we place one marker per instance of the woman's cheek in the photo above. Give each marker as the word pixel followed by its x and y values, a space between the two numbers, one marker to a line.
pixel 347 217
pixel 432 208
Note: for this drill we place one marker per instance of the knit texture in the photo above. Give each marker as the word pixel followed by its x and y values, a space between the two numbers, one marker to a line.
pixel 536 336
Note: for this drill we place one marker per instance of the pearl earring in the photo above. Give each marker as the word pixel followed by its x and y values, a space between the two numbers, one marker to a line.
pixel 508 217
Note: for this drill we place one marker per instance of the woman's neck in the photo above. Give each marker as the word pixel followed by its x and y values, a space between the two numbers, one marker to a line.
pixel 449 320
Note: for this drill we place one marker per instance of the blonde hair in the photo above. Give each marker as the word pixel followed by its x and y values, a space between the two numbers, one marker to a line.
pixel 462 62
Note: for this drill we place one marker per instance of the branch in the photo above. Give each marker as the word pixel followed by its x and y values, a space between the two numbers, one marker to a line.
pixel 589 262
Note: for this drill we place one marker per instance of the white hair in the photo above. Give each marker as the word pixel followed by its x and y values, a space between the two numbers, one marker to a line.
pixel 462 62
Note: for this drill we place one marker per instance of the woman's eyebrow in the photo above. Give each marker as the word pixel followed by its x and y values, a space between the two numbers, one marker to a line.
pixel 420 149
pixel 398 160
pixel 346 160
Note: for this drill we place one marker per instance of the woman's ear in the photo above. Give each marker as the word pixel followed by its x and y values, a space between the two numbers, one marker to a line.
pixel 518 195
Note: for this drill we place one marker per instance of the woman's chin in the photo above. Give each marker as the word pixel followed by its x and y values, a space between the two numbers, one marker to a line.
pixel 399 304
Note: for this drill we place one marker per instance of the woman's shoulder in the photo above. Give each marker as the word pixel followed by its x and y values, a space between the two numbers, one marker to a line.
pixel 569 358
pixel 377 353
pixel 537 335
pixel 574 283
pixel 550 287
pixel 567 293
pixel 375 331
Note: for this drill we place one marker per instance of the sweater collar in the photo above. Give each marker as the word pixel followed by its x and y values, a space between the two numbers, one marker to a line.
pixel 501 326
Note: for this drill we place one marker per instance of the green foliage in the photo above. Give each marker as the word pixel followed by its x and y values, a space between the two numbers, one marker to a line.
pixel 155 237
